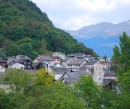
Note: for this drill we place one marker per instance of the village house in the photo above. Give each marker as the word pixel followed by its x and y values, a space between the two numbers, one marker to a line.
pixel 87 57
pixel 59 54
pixel 110 75
pixel 26 62
pixel 110 79
pixel 37 65
pixel 14 65
pixel 109 83
pixel 20 60
pixel 59 72
pixel 65 75
pixel 75 64
pixel 106 64
pixel 50 60
pixel 96 69
pixel 77 55
pixel 71 77
pixel 56 59
pixel 44 61
pixel 65 61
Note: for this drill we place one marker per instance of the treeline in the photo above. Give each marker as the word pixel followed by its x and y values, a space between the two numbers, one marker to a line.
pixel 26 30
pixel 40 91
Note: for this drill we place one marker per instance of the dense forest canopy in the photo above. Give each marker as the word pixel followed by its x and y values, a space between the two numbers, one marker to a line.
pixel 25 29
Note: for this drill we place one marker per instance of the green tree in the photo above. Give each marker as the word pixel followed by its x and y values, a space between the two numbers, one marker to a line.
pixel 18 80
pixel 13 50
pixel 121 55
pixel 105 57
pixel 121 61
pixel 26 49
pixel 56 96
pixel 88 90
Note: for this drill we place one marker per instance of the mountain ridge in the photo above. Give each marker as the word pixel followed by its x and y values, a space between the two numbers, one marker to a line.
pixel 102 37
pixel 103 29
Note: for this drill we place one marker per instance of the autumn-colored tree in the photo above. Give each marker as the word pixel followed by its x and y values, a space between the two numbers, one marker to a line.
pixel 43 77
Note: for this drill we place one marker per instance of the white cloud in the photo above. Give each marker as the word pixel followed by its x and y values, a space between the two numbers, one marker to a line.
pixel 74 14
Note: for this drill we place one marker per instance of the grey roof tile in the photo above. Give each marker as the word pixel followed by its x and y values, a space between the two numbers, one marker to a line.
pixel 108 73
pixel 45 57
pixel 76 62
pixel 66 59
pixel 75 76
pixel 60 70
pixel 76 55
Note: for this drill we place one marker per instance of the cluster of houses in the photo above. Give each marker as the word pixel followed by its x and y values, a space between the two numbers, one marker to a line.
pixel 66 68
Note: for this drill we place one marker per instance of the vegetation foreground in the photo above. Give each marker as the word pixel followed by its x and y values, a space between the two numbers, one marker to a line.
pixel 40 91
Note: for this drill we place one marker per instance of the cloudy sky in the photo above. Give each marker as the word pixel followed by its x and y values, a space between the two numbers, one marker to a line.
pixel 74 14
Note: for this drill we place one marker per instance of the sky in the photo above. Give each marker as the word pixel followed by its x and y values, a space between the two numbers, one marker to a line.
pixel 74 14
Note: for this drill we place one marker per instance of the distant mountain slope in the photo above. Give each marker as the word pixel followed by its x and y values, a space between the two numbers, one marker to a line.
pixel 25 29
pixel 104 29
pixel 101 37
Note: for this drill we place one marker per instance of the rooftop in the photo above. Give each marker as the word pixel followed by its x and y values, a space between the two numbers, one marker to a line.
pixel 76 62
pixel 76 55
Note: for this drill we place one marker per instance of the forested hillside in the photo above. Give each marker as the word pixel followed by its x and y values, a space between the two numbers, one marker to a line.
pixel 25 29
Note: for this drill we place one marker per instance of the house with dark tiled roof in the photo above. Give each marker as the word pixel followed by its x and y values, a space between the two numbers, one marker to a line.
pixel 77 55
pixel 50 60
pixel 20 62
pixel 69 77
pixel 65 61
pixel 110 75
pixel 110 83
pixel 37 65
pixel 45 61
pixel 59 72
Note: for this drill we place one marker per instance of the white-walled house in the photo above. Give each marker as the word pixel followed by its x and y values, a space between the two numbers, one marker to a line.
pixel 65 61
pixel 59 54
pixel 106 64
pixel 16 66
pixel 46 59
pixel 75 64
pixel 56 60
pixel 2 69
pixel 96 69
